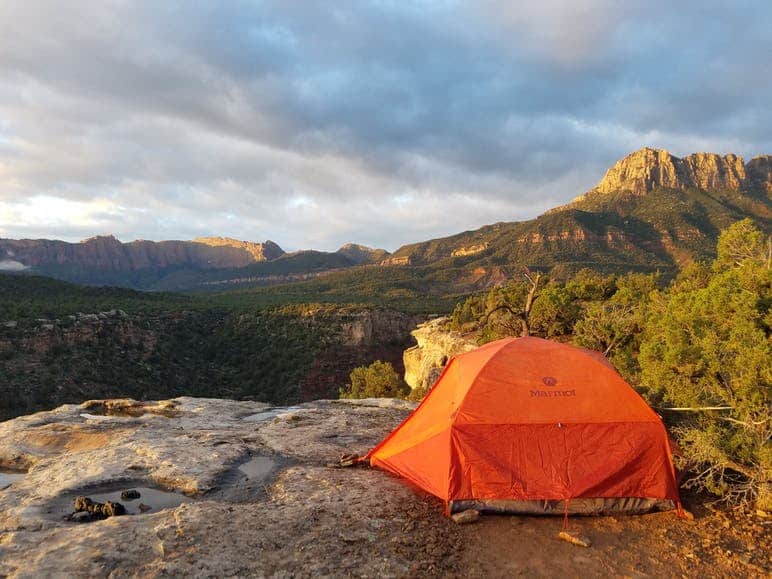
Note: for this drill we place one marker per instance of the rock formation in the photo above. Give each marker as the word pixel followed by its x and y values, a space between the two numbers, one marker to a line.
pixel 302 519
pixel 266 251
pixel 360 337
pixel 644 170
pixel 106 252
pixel 437 343
pixel 401 260
pixel 759 173
pixel 470 250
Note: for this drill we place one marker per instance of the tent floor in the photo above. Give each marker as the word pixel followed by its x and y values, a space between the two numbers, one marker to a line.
pixel 597 506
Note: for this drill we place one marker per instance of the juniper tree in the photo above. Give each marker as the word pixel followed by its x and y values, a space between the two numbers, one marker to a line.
pixel 706 343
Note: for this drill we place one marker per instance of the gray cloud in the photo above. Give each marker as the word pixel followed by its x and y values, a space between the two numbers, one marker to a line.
pixel 378 122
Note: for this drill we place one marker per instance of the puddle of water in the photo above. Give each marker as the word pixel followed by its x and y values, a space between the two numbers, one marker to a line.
pixel 97 417
pixel 258 468
pixel 7 478
pixel 156 499
pixel 271 413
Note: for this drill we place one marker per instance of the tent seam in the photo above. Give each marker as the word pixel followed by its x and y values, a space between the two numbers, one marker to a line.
pixel 409 416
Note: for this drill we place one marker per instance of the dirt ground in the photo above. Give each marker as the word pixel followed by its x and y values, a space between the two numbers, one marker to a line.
pixel 717 543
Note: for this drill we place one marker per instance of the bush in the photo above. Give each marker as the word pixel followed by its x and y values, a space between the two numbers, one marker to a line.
pixel 418 394
pixel 554 312
pixel 497 313
pixel 707 344
pixel 605 327
pixel 589 285
pixel 378 380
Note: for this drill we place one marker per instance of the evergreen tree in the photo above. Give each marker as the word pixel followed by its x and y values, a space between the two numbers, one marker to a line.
pixel 706 343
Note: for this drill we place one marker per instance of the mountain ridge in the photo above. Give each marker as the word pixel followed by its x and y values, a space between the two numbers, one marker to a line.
pixel 646 169
pixel 650 211
pixel 622 211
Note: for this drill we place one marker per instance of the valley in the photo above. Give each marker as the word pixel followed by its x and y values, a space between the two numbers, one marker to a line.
pixel 62 343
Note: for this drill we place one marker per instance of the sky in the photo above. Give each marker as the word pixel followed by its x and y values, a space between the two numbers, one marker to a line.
pixel 382 122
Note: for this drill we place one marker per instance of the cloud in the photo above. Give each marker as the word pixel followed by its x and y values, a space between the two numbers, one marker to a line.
pixel 377 122
pixel 11 265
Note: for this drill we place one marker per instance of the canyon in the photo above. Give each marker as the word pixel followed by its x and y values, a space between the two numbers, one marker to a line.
pixel 290 356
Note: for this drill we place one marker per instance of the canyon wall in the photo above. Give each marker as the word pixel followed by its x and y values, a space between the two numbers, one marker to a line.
pixel 436 344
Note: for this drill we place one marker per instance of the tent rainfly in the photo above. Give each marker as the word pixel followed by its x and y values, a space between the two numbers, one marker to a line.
pixel 526 425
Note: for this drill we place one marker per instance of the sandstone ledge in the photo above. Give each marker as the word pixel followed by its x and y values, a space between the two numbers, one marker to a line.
pixel 306 519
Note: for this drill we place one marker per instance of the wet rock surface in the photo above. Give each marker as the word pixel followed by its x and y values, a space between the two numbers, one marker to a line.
pixel 7 478
pixel 249 497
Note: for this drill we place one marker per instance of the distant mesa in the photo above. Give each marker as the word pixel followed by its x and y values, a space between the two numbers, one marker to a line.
pixel 105 252
pixel 651 210
pixel 266 251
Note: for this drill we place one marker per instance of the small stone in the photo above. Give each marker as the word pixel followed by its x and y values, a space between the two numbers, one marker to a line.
pixel 578 541
pixel 130 495
pixel 108 509
pixel 466 517
pixel 144 508
pixel 82 517
pixel 111 509
pixel 83 504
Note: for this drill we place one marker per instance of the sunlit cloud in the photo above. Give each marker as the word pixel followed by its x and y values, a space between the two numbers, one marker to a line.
pixel 56 212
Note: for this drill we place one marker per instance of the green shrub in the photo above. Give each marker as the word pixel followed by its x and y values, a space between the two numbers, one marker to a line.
pixel 378 380
pixel 417 394
pixel 554 312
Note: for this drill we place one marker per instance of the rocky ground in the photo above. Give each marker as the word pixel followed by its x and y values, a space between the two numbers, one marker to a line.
pixel 261 501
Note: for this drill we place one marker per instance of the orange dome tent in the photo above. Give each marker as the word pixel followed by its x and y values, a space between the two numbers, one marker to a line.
pixel 533 426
